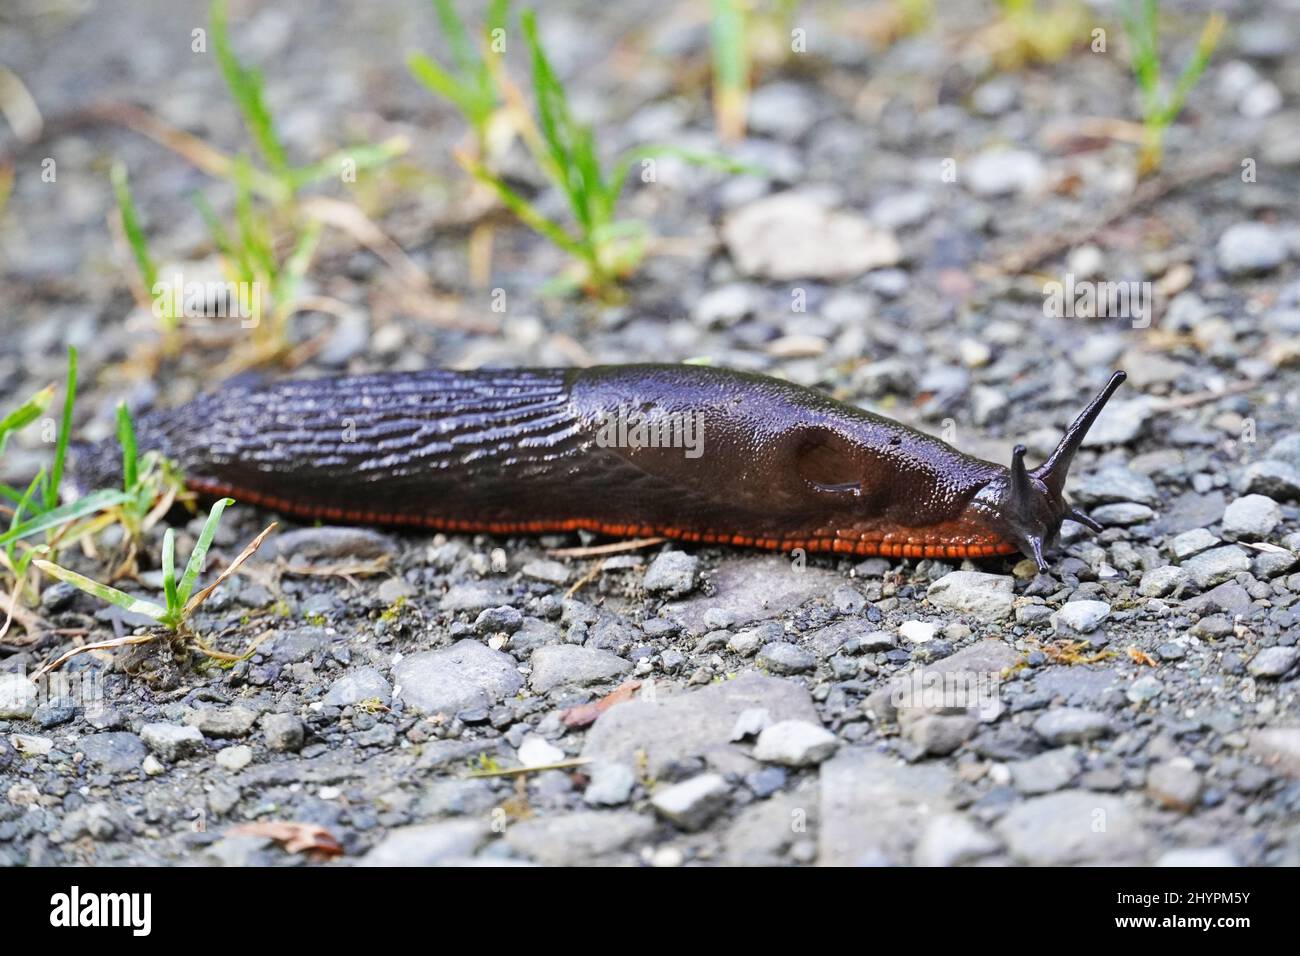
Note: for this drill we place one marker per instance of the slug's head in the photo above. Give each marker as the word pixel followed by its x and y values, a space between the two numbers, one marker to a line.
pixel 1027 507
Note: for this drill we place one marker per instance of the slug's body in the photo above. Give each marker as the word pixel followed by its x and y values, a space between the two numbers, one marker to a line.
pixel 688 452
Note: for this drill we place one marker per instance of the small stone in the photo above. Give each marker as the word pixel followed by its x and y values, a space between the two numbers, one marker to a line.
pixel 223 721
pixel 917 632
pixel 172 742
pixel 692 803
pixel 667 857
pixel 1159 582
pixel 876 641
pixel 1062 829
pixel 153 766
pixel 795 743
pixel 940 734
pixel 901 210
pixel 551 572
pixel 235 758
pixel 767 781
pixel 331 543
pixel 611 785
pixel 17 697
pixel 578 838
pixel 952 840
pixel 461 677
pixel 1080 617
pixel 429 844
pixel 498 620
pixel 537 751
pixel 1175 784
pixel 569 665
pixel 1119 423
pixel 1216 566
pixel 985 596
pixel 1274 662
pixel 31 745
pixel 1123 514
pixel 671 574
pixel 782 657
pixel 1003 172
pixel 1071 725
pixel 361 683
pixel 727 304
pixel 1250 247
pixel 1279 480
pixel 1251 518
pixel 1144 689
pixel 113 752
pixel 796 235
pixel 1196 858
pixel 284 732
pixel 1116 483
pixel 1192 542
pixel 1045 772
pixel 659 734
pixel 1278 747
pixel 751 722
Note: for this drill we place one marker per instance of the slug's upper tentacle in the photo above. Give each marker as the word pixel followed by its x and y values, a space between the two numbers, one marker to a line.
pixel 1029 506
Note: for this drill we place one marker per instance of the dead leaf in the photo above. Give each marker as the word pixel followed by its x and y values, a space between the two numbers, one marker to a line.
pixel 292 836
pixel 585 714
pixel 1141 657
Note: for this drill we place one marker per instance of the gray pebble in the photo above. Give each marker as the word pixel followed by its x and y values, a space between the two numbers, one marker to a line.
pixel 782 657
pixel 692 803
pixel 172 741
pixel 672 574
pixel 1251 518
pixel 1071 725
pixel 1250 247
pixel 1274 661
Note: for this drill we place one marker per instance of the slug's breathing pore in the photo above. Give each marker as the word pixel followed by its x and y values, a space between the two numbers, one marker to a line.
pixel 768 464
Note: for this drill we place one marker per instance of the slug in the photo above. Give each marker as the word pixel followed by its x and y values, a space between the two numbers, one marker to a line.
pixel 694 453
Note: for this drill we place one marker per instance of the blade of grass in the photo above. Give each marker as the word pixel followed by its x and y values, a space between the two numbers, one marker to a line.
pixel 104 592
pixel 444 84
pixel 82 507
pixel 618 178
pixel 24 414
pixel 24 500
pixel 200 552
pixel 454 30
pixel 730 68
pixel 231 568
pixel 246 87
pixel 65 430
pixel 169 570
pixel 1209 39
pixel 525 210
pixel 130 456
pixel 364 156
pixel 96 646
pixel 131 227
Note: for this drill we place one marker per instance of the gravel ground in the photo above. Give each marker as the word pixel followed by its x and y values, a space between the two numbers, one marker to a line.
pixel 1137 704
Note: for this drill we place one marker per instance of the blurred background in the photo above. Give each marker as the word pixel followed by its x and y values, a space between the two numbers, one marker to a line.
pixel 868 197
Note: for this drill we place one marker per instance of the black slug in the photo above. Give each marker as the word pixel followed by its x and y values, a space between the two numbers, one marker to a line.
pixel 688 452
